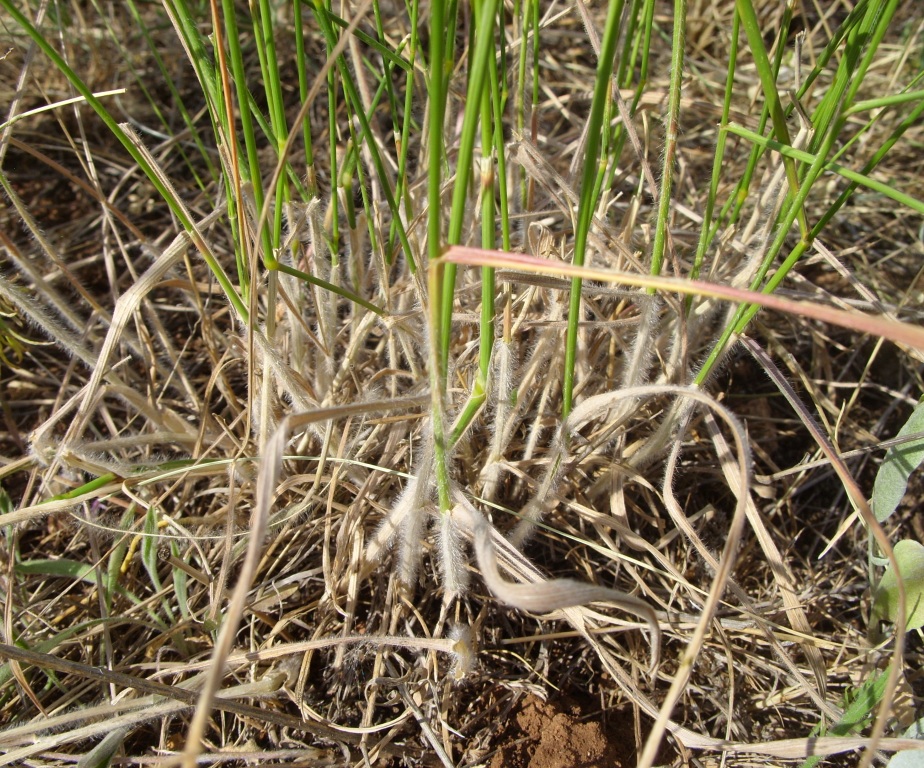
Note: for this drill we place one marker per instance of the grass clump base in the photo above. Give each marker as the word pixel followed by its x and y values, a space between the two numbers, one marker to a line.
pixel 379 381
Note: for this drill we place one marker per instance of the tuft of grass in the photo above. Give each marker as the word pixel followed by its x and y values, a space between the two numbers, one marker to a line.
pixel 280 458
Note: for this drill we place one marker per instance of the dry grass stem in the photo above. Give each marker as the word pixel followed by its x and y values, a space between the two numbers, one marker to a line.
pixel 275 491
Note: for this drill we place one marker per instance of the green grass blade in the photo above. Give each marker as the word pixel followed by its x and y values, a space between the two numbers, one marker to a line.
pixel 587 202
pixel 484 49
pixel 672 129
pixel 857 178
pixel 708 229
pixel 301 60
pixel 352 94
pixel 165 193
pixel 768 84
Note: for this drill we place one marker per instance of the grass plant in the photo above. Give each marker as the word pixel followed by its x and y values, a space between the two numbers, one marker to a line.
pixel 265 422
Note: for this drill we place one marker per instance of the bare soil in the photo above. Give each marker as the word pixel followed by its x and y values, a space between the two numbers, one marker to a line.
pixel 560 735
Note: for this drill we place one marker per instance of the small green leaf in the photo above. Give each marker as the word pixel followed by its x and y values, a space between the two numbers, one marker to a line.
pixel 858 705
pixel 180 580
pixel 50 644
pixel 6 503
pixel 101 755
pixel 65 568
pixel 149 545
pixel 60 567
pixel 900 461
pixel 910 557
pixel 117 556
pixel 910 758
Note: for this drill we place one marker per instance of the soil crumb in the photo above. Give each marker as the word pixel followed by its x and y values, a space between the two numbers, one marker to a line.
pixel 543 735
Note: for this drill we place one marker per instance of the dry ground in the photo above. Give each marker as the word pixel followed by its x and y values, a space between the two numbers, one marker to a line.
pixel 782 651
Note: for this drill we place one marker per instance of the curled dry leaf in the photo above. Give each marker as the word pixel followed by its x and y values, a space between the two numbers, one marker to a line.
pixel 538 595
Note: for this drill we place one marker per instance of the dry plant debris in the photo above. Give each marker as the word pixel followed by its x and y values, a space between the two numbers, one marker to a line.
pixel 146 427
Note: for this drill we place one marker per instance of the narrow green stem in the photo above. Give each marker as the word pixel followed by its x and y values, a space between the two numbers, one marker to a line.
pixel 767 74
pixel 587 202
pixel 436 87
pixel 136 155
pixel 672 129
pixel 521 15
pixel 301 61
pixel 253 171
pixel 338 289
pixel 437 108
pixel 402 192
pixel 707 233
pixel 493 173
pixel 356 105
pixel 157 105
pixel 333 132
pixel 437 387
pixel 486 337
pixel 534 114
pixel 484 49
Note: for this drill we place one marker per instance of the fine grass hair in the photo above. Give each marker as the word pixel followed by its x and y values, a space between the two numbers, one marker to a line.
pixel 365 366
